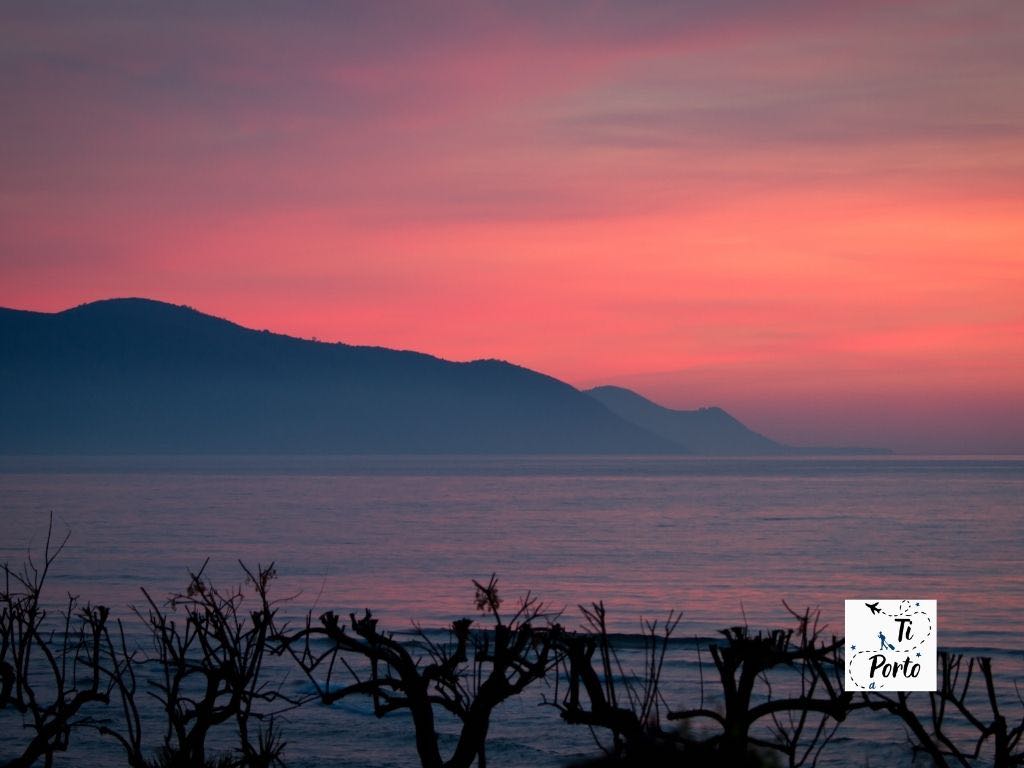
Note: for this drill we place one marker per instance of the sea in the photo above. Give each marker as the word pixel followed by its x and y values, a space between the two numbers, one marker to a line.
pixel 722 541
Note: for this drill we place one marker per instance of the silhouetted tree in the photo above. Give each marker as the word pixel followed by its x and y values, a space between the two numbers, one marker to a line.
pixel 209 649
pixel 962 722
pixel 743 661
pixel 468 677
pixel 49 675
pixel 602 695
pixel 781 690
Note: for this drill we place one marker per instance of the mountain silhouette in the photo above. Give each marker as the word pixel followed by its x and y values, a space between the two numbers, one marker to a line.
pixel 139 376
pixel 705 430
pixel 125 376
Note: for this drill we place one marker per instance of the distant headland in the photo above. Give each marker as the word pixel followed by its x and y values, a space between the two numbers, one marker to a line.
pixel 139 376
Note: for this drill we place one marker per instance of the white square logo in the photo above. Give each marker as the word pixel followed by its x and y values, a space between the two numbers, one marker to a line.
pixel 891 645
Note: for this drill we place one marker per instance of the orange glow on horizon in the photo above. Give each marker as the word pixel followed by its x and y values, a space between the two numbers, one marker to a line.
pixel 814 219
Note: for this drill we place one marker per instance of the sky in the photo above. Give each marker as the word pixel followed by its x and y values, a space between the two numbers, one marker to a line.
pixel 808 213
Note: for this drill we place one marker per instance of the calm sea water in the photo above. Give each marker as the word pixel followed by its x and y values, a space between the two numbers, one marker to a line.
pixel 723 540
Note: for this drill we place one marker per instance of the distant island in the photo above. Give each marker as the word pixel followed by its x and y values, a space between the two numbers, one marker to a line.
pixel 125 376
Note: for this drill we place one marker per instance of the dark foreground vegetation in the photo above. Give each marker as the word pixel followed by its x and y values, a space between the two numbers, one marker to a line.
pixel 777 695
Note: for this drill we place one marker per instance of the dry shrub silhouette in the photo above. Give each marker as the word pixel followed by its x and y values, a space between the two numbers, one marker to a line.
pixel 77 670
pixel 602 695
pixel 467 677
pixel 965 718
pixel 209 646
pixel 775 696
pixel 51 671
pixel 801 719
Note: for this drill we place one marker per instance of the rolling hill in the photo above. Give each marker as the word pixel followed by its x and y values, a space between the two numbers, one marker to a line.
pixel 704 431
pixel 128 376
pixel 140 376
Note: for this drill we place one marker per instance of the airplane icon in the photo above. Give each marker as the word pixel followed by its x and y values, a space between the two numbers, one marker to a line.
pixel 874 607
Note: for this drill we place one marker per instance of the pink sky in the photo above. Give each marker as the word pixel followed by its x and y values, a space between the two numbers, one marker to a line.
pixel 810 214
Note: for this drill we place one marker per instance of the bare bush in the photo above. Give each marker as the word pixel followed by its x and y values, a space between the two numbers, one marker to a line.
pixel 209 646
pixel 467 677
pixel 50 674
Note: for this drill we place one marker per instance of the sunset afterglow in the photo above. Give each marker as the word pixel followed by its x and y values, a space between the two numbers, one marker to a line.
pixel 810 214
